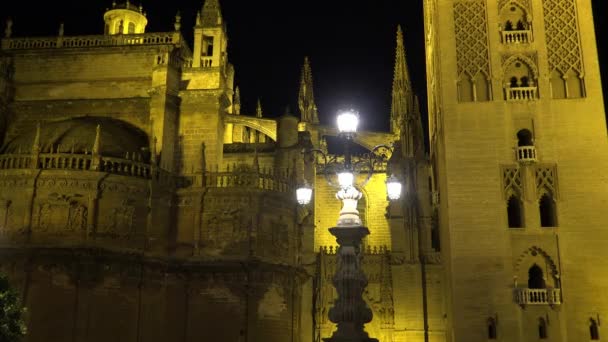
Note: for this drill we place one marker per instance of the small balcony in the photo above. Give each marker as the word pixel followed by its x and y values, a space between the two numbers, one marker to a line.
pixel 526 154
pixel 521 93
pixel 517 37
pixel 548 296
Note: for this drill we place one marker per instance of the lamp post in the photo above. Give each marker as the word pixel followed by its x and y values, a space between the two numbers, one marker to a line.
pixel 350 312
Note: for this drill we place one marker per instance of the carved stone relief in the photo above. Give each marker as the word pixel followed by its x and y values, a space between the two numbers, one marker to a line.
pixel 61 214
pixel 118 221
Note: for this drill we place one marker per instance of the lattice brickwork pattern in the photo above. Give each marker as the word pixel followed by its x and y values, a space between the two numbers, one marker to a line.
pixel 511 180
pixel 472 52
pixel 563 43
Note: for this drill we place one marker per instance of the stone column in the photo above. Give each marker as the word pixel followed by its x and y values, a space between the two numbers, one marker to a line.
pixel 350 312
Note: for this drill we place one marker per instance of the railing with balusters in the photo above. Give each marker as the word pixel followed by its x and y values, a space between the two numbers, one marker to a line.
pixel 517 37
pixel 160 38
pixel 127 166
pixel 521 93
pixel 548 296
pixel 526 154
pixel 263 180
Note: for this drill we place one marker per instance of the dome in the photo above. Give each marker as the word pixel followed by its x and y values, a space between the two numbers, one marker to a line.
pixel 78 135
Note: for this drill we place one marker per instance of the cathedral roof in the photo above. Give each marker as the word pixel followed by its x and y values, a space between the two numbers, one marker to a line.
pixel 78 135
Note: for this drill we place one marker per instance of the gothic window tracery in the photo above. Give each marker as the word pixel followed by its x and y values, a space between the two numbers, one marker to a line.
pixel 520 78
pixel 515 22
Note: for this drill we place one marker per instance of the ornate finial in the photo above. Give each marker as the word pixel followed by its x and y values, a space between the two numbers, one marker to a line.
pixel 198 19
pixel 61 29
pixel 96 144
pixel 178 21
pixel 113 4
pixel 306 98
pixel 212 13
pixel 36 145
pixel 258 109
pixel 237 101
pixel 8 32
pixel 141 8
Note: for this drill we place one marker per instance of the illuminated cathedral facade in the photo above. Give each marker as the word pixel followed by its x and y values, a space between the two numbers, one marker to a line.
pixel 139 203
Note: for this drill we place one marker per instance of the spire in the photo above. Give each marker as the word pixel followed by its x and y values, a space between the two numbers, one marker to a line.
pixel 237 101
pixel 97 142
pixel 402 88
pixel 36 144
pixel 405 119
pixel 258 109
pixel 306 98
pixel 212 13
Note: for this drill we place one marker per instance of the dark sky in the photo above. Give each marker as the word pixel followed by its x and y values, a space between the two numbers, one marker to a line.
pixel 350 44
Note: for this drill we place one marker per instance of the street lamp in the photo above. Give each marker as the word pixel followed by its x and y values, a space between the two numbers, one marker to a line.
pixel 350 312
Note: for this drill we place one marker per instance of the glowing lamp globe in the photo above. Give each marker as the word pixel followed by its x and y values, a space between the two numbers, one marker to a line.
pixel 304 194
pixel 348 122
pixel 393 188
pixel 345 179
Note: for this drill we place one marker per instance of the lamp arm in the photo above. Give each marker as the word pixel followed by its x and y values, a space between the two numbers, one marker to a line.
pixel 374 158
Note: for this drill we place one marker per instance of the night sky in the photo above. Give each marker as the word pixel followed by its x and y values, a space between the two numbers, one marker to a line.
pixel 350 44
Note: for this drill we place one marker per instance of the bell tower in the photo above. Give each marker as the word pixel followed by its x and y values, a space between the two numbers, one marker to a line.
pixel 518 151
pixel 210 40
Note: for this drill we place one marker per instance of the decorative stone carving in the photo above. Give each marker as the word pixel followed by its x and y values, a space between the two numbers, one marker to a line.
pixel 472 51
pixel 273 303
pixel 561 33
pixel 512 182
pixel 546 180
pixel 119 220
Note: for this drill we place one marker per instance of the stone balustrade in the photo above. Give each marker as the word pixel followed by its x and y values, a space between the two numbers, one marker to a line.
pixel 263 180
pixel 548 296
pixel 159 38
pixel 517 37
pixel 133 167
pixel 521 93
pixel 526 154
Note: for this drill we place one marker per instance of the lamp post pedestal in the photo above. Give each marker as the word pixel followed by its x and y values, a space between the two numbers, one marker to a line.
pixel 350 312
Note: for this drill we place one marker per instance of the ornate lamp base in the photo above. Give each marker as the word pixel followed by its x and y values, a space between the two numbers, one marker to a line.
pixel 350 312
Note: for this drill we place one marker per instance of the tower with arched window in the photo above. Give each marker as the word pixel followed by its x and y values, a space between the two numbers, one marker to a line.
pixel 519 171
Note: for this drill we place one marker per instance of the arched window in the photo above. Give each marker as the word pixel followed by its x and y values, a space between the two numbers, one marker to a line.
pixel 515 212
pixel 491 329
pixel 131 28
pixel 525 81
pixel 535 278
pixel 520 25
pixel 508 26
pixel 513 82
pixel 542 328
pixel 548 211
pixel 524 138
pixel 594 331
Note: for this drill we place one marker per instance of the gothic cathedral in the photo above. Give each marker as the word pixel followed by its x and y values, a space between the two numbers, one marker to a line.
pixel 139 203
